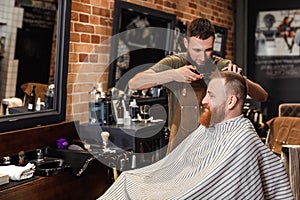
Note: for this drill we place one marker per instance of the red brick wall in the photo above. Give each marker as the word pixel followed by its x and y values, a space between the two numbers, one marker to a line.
pixel 91 24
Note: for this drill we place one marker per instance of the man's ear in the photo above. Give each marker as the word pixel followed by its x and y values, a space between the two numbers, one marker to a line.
pixel 185 42
pixel 232 101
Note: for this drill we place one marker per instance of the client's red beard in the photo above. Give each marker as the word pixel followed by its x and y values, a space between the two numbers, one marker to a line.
pixel 205 116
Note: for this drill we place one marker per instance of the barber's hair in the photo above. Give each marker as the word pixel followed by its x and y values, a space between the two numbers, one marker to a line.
pixel 201 28
pixel 235 84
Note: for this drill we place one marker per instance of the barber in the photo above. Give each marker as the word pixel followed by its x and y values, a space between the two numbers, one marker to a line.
pixel 182 75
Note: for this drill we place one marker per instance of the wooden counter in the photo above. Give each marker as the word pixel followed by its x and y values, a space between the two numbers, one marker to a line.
pixel 64 186
pixel 91 184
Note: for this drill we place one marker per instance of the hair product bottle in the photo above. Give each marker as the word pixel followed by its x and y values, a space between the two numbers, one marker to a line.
pixel 31 99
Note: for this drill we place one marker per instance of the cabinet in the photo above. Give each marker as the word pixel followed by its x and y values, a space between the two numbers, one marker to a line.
pixel 146 140
pixel 93 182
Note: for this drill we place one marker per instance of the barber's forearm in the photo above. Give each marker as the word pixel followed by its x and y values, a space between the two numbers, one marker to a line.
pixel 137 83
pixel 256 92
pixel 145 80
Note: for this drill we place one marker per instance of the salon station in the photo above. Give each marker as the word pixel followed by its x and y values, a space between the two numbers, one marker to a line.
pixel 69 123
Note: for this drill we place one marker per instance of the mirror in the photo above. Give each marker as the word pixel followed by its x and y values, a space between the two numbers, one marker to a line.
pixel 34 49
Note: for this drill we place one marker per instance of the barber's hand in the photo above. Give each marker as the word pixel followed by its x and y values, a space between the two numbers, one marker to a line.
pixel 233 68
pixel 187 74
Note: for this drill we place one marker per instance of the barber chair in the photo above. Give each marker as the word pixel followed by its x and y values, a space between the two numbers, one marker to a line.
pixel 40 90
pixel 284 129
pixel 289 109
pixel 284 140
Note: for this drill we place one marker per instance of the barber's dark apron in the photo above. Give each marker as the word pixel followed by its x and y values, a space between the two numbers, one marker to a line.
pixel 186 116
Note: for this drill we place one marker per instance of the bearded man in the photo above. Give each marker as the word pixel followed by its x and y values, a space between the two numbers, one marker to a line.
pixel 225 160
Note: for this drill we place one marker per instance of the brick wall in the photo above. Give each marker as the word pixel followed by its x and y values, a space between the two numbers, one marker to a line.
pixel 91 25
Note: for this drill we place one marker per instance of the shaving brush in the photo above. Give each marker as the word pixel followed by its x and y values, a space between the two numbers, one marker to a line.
pixel 105 136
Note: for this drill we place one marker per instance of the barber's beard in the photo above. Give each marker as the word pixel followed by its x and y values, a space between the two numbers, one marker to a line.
pixel 205 116
pixel 190 61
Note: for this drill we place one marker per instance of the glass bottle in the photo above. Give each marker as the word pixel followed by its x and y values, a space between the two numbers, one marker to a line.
pixel 94 106
pixel 127 118
pixel 108 116
pixel 120 111
pixel 31 99
pixel 134 109
pixel 49 97
pixel 102 101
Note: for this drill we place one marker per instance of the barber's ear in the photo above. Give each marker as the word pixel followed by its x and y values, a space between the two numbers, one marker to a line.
pixel 232 101
pixel 185 42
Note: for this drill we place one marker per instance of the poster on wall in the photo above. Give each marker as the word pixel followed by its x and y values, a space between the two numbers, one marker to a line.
pixel 277 43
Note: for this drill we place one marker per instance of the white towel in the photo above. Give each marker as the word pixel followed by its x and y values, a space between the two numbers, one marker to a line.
pixel 11 102
pixel 17 173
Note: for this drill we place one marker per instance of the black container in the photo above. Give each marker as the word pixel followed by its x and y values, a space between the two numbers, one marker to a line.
pixel 108 117
pixel 48 102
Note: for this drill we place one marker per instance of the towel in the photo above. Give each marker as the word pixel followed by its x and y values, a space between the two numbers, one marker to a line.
pixel 10 102
pixel 17 173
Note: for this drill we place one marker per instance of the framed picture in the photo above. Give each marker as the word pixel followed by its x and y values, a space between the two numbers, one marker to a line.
pixel 266 45
pixel 141 36
pixel 220 41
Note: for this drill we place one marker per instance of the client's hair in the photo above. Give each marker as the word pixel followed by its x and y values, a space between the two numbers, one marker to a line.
pixel 237 83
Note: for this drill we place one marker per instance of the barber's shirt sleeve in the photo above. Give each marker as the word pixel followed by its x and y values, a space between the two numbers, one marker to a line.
pixel 169 62
pixel 220 62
